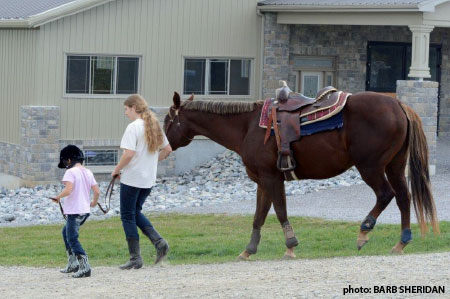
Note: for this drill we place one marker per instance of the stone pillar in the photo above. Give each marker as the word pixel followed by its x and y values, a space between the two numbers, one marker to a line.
pixel 420 51
pixel 276 55
pixel 422 96
pixel 40 133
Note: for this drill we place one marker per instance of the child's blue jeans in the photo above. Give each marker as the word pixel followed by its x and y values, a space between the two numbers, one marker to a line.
pixel 70 233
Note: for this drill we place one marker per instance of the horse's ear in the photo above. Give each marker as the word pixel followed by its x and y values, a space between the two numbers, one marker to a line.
pixel 176 99
pixel 191 98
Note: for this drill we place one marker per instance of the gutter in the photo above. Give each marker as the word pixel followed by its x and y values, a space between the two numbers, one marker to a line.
pixel 52 14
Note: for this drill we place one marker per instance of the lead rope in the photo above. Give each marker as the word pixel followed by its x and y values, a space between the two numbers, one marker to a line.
pixel 108 195
pixel 109 191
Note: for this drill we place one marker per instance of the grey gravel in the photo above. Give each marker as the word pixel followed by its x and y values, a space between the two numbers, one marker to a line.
pixel 301 278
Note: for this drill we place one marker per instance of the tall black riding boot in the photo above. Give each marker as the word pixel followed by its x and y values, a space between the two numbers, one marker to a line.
pixel 162 247
pixel 135 260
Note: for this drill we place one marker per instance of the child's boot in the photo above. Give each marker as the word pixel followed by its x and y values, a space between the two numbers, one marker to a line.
pixel 84 269
pixel 135 260
pixel 72 263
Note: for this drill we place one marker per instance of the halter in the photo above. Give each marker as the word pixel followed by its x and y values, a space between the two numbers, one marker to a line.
pixel 177 117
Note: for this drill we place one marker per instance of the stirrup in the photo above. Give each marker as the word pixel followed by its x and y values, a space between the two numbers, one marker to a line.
pixel 290 162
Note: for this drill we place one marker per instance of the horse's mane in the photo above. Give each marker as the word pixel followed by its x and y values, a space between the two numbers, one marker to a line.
pixel 219 107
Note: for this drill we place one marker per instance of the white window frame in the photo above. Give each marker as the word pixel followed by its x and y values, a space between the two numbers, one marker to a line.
pixel 319 76
pixel 207 78
pixel 324 71
pixel 101 96
pixel 103 168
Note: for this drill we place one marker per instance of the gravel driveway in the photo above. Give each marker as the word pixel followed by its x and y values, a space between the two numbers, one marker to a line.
pixel 322 278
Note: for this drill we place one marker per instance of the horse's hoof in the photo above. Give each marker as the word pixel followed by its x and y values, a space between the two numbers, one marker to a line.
pixel 363 238
pixel 288 257
pixel 398 248
pixel 289 254
pixel 396 251
pixel 361 243
pixel 242 258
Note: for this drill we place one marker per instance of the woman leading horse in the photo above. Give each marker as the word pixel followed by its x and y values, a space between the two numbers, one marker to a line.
pixel 378 135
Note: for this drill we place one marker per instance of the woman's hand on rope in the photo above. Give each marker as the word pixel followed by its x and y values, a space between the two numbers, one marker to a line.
pixel 115 173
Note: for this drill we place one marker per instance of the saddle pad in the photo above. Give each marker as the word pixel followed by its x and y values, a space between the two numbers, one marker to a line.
pixel 332 123
pixel 309 117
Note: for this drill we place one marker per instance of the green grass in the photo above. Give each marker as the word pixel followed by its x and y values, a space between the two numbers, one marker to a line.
pixel 209 239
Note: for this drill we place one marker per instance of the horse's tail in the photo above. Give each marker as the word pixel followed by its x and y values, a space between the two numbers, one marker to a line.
pixel 419 177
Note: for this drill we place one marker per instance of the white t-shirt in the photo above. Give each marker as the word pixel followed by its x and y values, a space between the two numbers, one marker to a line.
pixel 141 171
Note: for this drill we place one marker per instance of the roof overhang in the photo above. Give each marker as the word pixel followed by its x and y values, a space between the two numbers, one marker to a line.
pixel 52 14
pixel 424 13
pixel 425 6
pixel 336 8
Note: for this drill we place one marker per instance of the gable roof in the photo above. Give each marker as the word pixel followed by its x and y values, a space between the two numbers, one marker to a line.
pixel 411 5
pixel 13 9
pixel 34 13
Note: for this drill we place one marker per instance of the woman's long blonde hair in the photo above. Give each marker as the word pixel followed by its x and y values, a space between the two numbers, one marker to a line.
pixel 153 132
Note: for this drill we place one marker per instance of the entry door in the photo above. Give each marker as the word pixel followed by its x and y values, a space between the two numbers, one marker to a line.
pixel 310 83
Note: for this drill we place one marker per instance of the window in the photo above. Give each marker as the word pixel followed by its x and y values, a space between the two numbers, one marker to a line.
pixel 389 62
pixel 102 74
pixel 217 76
pixel 314 73
pixel 101 157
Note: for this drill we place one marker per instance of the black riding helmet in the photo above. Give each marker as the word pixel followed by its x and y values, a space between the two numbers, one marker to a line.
pixel 71 152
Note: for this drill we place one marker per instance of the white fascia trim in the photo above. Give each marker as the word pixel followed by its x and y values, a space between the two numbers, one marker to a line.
pixel 430 5
pixel 53 14
pixel 13 23
pixel 340 8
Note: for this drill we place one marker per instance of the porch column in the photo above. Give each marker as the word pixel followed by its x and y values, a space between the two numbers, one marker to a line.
pixel 420 51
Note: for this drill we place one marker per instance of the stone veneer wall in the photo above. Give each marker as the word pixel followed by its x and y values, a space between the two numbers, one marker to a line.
pixel 35 159
pixel 422 97
pixel 11 158
pixel 276 55
pixel 349 45
pixel 40 133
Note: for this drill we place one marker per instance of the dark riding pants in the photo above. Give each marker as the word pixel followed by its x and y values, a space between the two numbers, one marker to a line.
pixel 131 201
pixel 70 233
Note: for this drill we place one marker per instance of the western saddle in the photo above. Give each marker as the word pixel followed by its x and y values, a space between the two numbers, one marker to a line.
pixel 285 115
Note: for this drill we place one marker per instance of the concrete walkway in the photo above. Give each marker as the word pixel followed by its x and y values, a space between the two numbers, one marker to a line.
pixel 351 203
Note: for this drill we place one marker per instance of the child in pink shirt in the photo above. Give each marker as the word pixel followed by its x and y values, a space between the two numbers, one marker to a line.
pixel 78 182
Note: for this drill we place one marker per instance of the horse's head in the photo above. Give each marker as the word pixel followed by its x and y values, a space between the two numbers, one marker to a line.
pixel 176 126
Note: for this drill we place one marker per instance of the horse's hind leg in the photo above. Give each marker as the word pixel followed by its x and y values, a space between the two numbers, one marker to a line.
pixel 263 204
pixel 376 179
pixel 395 172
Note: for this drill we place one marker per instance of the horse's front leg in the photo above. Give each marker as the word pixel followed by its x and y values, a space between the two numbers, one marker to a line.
pixel 263 204
pixel 275 187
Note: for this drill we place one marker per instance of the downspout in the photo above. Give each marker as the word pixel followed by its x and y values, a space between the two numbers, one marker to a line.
pixel 261 45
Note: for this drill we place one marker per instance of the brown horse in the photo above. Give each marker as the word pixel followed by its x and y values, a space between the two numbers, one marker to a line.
pixel 378 135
